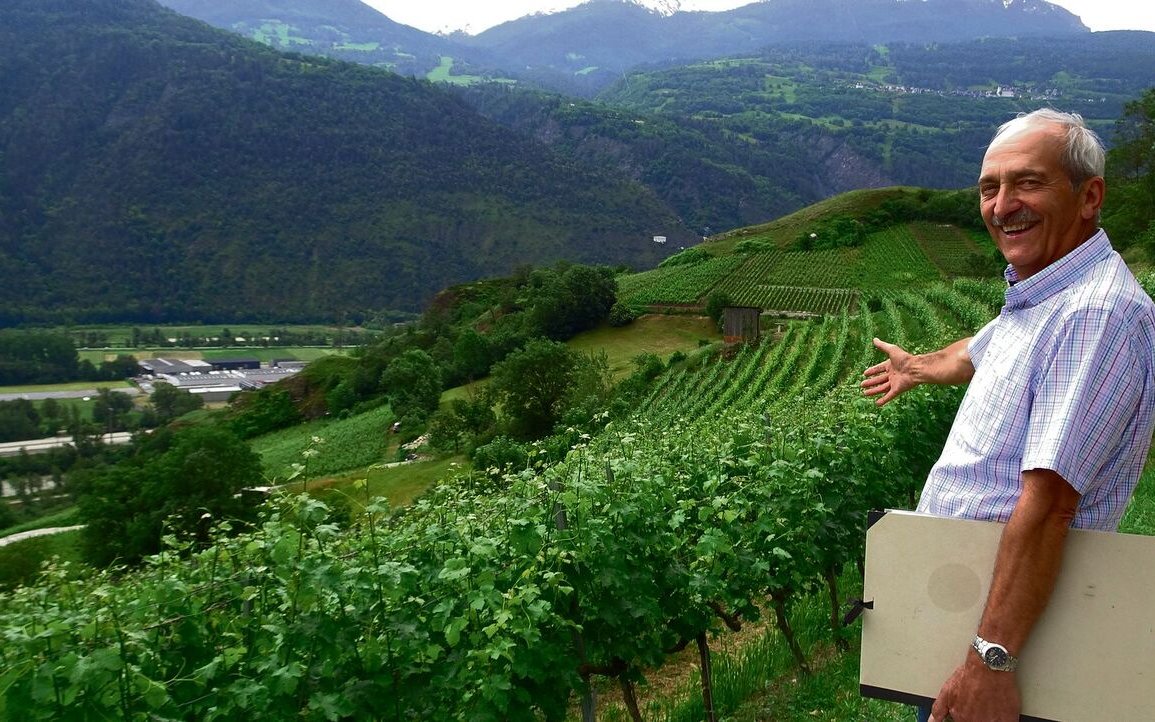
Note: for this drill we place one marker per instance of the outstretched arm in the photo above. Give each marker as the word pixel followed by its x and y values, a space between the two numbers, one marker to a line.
pixel 902 371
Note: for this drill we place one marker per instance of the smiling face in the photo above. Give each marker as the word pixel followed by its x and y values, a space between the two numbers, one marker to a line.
pixel 1030 208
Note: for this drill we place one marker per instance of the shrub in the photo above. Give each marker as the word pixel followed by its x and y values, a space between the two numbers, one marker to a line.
pixel 503 454
pixel 623 314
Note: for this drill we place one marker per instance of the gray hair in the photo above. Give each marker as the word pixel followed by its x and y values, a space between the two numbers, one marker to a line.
pixel 1083 153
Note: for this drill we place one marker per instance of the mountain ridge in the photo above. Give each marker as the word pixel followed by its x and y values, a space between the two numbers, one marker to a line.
pixel 582 49
pixel 171 171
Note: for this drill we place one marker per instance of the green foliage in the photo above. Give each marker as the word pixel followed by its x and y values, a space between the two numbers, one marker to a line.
pixel 36 357
pixel 679 284
pixel 662 524
pixel 688 257
pixel 647 368
pixel 110 409
pixel 571 299
pixel 20 563
pixel 623 314
pixel 723 491
pixel 531 385
pixel 179 482
pixel 355 442
pixel 716 304
pixel 590 392
pixel 466 420
pixel 169 402
pixel 472 355
pixel 413 383
pixel 259 412
pixel 1130 211
pixel 502 455
pixel 838 232
pixel 19 420
pixel 220 227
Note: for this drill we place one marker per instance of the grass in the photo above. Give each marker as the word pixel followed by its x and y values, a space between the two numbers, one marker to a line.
pixel 62 517
pixel 72 386
pixel 653 333
pixel 1140 515
pixel 444 74
pixel 20 562
pixel 784 230
pixel 353 443
pixel 264 353
pixel 399 483
pixel 756 679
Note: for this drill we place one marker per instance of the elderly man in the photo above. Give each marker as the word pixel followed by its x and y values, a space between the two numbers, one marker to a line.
pixel 1057 419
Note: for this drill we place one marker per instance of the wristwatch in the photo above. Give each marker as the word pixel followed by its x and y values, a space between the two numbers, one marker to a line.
pixel 995 656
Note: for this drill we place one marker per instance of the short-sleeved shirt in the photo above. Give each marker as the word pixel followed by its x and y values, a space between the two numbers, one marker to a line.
pixel 1063 381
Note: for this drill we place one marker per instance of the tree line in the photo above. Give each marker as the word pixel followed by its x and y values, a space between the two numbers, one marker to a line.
pixel 45 357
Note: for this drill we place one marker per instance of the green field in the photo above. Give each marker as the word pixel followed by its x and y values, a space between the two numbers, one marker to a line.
pixel 72 386
pixel 399 483
pixel 345 444
pixel 651 333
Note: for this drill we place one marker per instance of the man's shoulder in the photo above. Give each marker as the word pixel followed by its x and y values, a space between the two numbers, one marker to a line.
pixel 1111 286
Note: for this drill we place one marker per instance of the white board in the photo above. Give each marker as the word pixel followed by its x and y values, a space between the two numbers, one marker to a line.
pixel 1090 658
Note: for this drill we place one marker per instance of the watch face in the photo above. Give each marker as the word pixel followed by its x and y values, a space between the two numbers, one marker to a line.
pixel 995 657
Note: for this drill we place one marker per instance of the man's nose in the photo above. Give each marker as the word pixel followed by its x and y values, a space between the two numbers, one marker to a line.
pixel 1006 201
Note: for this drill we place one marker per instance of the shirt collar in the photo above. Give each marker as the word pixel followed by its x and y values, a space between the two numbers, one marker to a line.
pixel 1057 276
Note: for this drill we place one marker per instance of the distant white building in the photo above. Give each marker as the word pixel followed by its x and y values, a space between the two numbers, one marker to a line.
pixel 659 239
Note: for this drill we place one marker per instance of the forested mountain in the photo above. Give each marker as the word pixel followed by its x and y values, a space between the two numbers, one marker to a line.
pixel 593 43
pixel 154 168
pixel 736 141
pixel 585 48
pixel 344 29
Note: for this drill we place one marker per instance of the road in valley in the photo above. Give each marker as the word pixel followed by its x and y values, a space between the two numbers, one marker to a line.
pixel 35 446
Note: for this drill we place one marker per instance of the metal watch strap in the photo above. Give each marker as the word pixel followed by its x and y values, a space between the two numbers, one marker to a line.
pixel 1007 663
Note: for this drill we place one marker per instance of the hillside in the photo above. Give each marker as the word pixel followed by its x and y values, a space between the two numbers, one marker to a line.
pixel 153 168
pixel 800 266
pixel 726 495
pixel 584 48
pixel 592 44
pixel 902 113
pixel 729 482
pixel 731 142
pixel 342 29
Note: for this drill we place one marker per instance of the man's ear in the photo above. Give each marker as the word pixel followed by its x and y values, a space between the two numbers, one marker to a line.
pixel 1092 196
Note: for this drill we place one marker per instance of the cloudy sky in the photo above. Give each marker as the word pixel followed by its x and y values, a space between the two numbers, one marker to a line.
pixel 474 16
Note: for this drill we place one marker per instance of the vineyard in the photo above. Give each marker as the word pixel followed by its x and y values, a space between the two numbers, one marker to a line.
pixel 676 284
pixel 812 282
pixel 736 490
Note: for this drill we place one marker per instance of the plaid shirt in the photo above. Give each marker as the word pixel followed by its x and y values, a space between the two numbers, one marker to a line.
pixel 1064 380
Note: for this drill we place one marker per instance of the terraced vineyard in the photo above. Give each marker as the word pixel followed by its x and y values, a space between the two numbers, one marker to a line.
pixel 948 247
pixel 812 282
pixel 676 284
pixel 813 357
